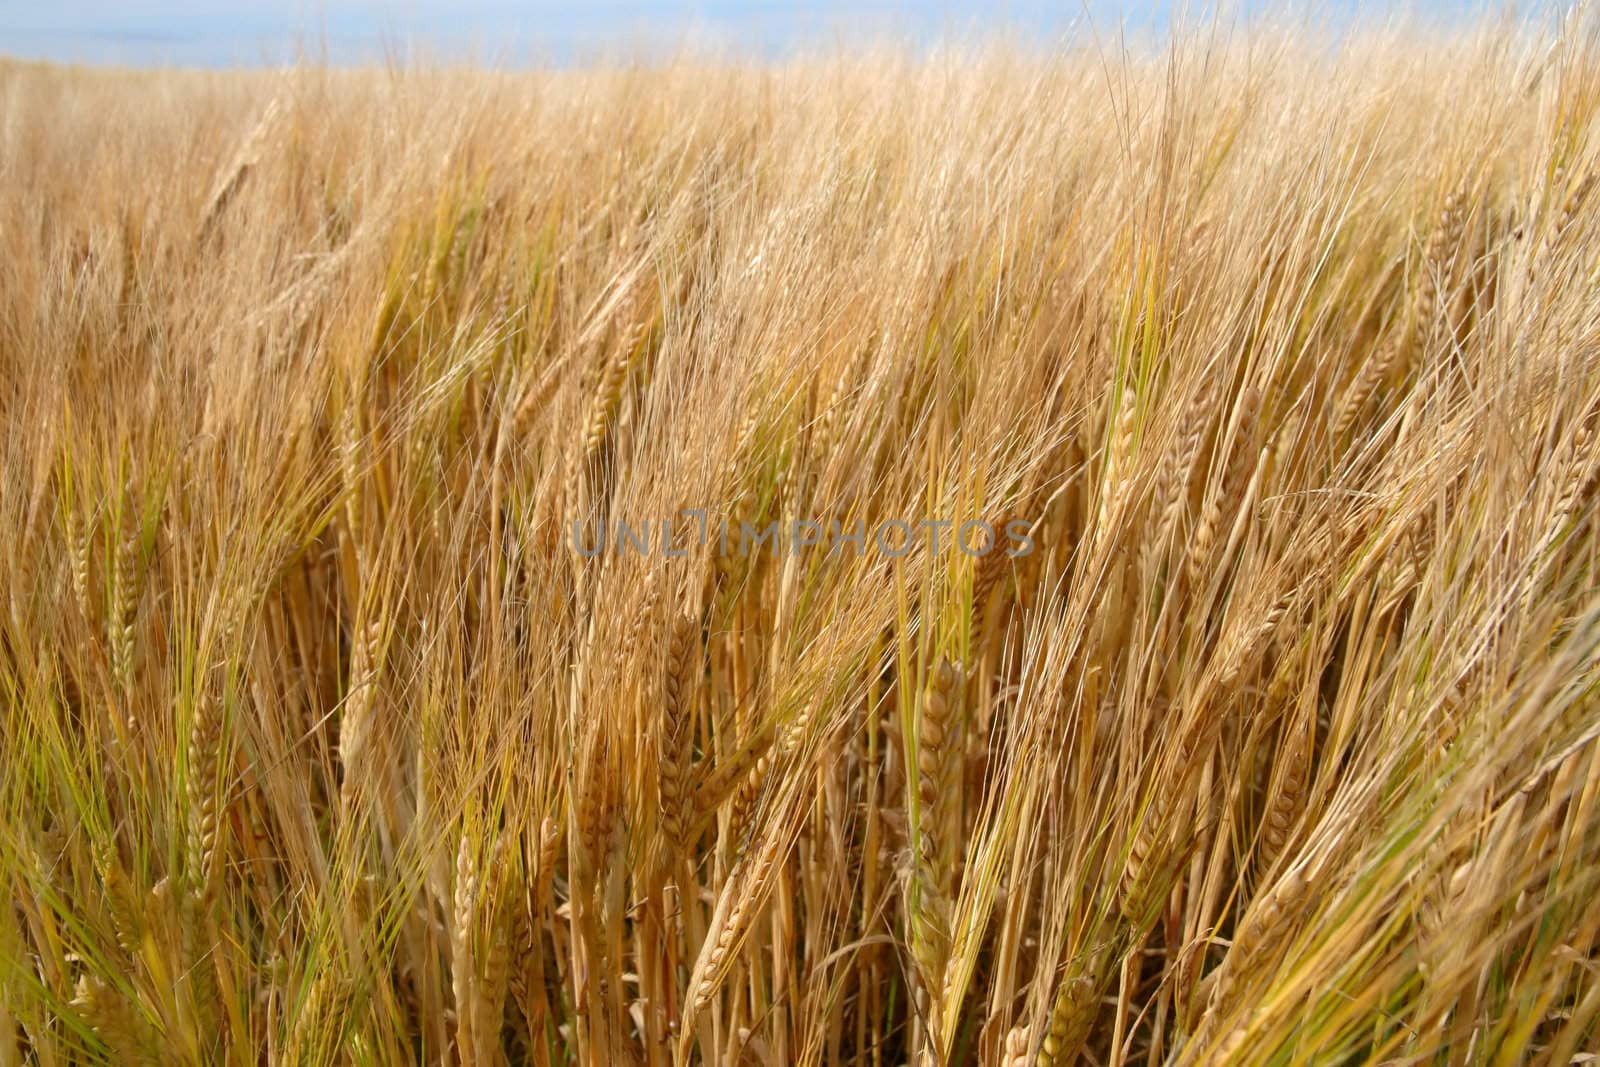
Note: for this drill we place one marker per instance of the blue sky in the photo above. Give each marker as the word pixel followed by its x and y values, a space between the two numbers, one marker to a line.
pixel 254 32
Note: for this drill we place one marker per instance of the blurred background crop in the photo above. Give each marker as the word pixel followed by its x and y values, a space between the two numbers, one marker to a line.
pixel 258 33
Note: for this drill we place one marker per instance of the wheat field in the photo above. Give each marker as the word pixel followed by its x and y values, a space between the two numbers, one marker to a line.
pixel 1169 633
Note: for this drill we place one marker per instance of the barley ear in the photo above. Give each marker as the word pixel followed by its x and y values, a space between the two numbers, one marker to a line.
pixel 680 670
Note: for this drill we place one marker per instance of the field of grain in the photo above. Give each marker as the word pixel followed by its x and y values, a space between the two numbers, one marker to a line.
pixel 1259 725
